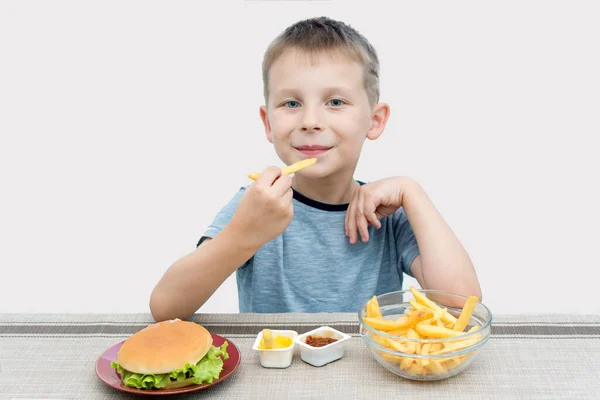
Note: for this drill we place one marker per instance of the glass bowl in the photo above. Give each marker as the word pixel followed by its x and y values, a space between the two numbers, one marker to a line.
pixel 426 359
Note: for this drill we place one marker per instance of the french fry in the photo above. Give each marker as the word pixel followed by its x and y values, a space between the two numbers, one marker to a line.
pixel 402 322
pixel 466 313
pixel 425 351
pixel 391 357
pixel 451 347
pixel 437 316
pixel 370 313
pixel 422 299
pixel 406 363
pixel 373 307
pixel 436 367
pixel 436 331
pixel 380 340
pixel 416 305
pixel 290 169
pixel 412 346
pixel 385 325
pixel 267 337
pixel 398 332
pixel 451 363
pixel 435 347
pixel 419 316
pixel 397 346
pixel 416 369
pixel 426 348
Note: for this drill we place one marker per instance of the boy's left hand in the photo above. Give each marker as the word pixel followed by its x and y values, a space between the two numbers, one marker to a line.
pixel 370 203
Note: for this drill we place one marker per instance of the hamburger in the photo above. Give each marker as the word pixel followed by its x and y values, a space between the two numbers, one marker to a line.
pixel 168 355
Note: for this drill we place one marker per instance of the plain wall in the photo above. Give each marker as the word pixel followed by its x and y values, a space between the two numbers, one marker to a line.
pixel 126 125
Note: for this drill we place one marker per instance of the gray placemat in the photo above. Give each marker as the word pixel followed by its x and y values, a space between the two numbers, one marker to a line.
pixel 532 357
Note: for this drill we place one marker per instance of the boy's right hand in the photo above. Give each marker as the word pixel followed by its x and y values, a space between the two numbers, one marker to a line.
pixel 265 209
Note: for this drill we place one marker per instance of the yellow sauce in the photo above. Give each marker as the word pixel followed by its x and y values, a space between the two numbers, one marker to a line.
pixel 279 342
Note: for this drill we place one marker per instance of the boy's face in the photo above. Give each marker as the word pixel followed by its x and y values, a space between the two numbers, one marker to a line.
pixel 319 107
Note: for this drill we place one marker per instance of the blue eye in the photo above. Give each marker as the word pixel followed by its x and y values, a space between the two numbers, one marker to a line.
pixel 291 104
pixel 336 102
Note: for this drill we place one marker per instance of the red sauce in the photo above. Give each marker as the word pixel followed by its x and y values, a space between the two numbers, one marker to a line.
pixel 318 341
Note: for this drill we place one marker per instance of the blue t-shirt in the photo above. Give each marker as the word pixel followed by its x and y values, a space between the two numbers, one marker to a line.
pixel 312 267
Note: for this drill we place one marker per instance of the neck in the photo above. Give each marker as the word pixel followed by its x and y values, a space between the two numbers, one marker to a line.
pixel 329 190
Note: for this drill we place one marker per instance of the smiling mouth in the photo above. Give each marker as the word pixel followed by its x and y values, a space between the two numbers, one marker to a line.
pixel 313 151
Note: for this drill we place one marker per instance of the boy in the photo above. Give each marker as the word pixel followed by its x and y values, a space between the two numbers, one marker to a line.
pixel 319 241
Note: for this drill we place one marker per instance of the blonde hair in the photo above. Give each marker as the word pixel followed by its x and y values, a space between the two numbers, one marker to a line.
pixel 317 35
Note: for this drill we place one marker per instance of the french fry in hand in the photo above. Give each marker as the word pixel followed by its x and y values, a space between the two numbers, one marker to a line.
pixel 290 169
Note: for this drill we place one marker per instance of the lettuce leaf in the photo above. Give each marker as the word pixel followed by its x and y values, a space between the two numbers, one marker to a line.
pixel 205 371
pixel 211 365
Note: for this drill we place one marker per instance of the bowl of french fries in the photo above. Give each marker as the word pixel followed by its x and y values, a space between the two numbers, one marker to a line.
pixel 424 335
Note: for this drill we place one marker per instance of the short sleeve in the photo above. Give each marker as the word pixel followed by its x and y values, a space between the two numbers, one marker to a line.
pixel 406 242
pixel 222 218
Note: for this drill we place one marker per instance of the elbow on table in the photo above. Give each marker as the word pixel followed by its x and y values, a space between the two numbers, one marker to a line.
pixel 469 290
pixel 155 307
pixel 159 307
pixel 472 290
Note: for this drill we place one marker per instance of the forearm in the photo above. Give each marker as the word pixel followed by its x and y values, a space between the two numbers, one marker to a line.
pixel 191 280
pixel 445 264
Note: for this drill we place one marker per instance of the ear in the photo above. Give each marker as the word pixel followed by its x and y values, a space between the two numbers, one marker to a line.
pixel 264 116
pixel 381 113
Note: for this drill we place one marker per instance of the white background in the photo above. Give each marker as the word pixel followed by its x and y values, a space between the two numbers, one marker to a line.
pixel 126 125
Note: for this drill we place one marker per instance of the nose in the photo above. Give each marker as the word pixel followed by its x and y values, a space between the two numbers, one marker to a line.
pixel 312 120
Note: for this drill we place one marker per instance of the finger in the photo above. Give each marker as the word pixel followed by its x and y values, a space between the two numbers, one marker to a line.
pixel 282 185
pixel 347 216
pixel 346 219
pixel 268 176
pixel 288 196
pixel 352 228
pixel 370 209
pixel 361 220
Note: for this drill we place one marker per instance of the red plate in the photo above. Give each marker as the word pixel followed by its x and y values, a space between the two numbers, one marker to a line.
pixel 109 375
